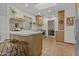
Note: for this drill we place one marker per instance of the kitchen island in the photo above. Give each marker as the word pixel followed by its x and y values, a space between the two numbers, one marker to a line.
pixel 33 38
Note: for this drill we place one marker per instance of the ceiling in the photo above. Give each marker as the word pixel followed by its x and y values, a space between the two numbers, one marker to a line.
pixel 44 9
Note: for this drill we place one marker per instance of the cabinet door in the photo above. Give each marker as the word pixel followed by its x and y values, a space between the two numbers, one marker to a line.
pixel 37 44
pixel 39 19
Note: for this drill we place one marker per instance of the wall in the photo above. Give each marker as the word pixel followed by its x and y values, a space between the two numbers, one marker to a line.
pixel 20 13
pixel 69 30
pixel 69 35
pixel 45 26
pixel 4 22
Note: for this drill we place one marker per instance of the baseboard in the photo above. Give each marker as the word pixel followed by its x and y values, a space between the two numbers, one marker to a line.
pixel 69 43
pixel 66 42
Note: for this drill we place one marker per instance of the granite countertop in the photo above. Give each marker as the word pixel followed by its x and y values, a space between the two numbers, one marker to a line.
pixel 25 32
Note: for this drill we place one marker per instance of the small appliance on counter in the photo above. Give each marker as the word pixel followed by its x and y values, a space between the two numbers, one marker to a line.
pixel 17 28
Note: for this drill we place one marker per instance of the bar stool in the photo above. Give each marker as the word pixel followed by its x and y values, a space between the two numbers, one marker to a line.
pixel 10 47
pixel 21 47
pixel 20 51
pixel 15 48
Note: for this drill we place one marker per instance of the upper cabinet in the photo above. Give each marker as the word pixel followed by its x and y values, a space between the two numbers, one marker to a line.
pixel 39 20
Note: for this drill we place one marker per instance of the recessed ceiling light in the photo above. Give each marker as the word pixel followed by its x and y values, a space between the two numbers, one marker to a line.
pixel 26 5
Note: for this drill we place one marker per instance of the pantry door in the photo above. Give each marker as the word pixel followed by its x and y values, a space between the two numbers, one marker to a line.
pixel 60 32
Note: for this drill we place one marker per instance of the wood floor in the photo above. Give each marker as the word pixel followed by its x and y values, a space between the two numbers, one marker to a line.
pixel 53 48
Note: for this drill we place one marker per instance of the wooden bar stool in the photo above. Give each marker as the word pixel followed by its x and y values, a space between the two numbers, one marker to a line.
pixel 21 47
pixel 14 47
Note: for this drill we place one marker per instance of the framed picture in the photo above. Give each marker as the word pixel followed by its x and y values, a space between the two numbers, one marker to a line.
pixel 70 21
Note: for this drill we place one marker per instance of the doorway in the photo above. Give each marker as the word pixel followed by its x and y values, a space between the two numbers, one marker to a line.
pixel 60 33
pixel 51 28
